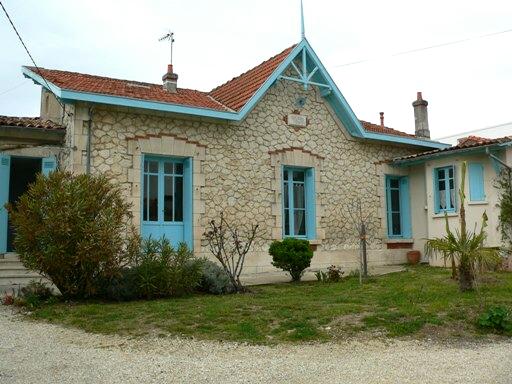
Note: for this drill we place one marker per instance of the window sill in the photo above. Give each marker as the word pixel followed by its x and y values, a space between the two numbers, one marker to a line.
pixel 442 214
pixel 398 240
pixel 315 242
pixel 478 202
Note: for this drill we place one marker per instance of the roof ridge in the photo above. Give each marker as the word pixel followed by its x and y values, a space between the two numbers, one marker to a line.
pixel 253 68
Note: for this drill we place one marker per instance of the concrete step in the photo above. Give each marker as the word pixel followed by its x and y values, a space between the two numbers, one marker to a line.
pixel 9 256
pixel 6 264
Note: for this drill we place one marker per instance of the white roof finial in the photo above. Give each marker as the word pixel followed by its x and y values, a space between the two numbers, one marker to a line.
pixel 303 30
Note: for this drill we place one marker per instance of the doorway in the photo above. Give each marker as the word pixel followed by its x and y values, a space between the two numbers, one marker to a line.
pixel 24 171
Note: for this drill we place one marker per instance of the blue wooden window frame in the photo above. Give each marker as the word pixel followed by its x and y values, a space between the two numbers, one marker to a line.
pixel 449 185
pixel 476 182
pixel 167 168
pixel 399 184
pixel 187 195
pixel 308 206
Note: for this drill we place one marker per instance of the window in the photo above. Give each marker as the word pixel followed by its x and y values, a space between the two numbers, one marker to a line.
pixel 299 203
pixel 476 182
pixel 444 189
pixel 398 206
pixel 163 191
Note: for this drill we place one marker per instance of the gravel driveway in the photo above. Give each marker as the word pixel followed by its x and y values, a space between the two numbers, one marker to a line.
pixel 42 353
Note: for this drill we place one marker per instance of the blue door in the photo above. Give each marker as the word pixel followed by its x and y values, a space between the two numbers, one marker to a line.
pixel 398 207
pixel 5 169
pixel 16 174
pixel 166 199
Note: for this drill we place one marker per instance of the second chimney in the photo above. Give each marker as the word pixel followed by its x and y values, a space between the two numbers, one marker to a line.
pixel 170 80
pixel 421 117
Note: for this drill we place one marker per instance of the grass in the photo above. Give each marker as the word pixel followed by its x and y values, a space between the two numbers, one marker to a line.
pixel 422 301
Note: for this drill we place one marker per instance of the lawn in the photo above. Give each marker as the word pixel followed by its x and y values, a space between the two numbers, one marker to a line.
pixel 422 302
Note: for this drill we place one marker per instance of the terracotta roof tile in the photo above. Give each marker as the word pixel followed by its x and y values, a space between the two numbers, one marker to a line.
pixel 473 142
pixel 29 122
pixel 236 92
pixel 80 82
pixel 230 96
pixel 382 129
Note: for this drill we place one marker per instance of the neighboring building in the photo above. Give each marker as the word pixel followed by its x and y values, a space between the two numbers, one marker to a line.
pixel 494 132
pixel 278 146
pixel 432 180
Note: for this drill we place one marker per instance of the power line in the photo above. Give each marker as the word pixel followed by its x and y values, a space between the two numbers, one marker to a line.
pixel 29 55
pixel 428 47
pixel 13 88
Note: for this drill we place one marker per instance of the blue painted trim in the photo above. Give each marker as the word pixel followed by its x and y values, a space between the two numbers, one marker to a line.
pixel 476 182
pixel 5 170
pixel 448 197
pixel 48 165
pixel 169 227
pixel 310 204
pixel 404 207
pixel 334 97
pixel 188 202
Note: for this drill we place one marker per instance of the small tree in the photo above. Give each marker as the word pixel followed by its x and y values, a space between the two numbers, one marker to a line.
pixel 504 185
pixel 291 255
pixel 230 246
pixel 73 230
pixel 464 248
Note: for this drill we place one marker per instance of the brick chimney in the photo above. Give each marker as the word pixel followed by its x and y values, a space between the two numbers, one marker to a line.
pixel 381 118
pixel 170 80
pixel 421 117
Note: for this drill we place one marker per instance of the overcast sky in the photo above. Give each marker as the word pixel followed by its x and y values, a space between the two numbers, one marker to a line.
pixel 468 85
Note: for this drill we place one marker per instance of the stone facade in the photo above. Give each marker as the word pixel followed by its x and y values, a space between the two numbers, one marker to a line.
pixel 237 168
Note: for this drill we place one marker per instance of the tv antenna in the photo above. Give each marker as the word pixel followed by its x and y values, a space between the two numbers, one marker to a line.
pixel 168 37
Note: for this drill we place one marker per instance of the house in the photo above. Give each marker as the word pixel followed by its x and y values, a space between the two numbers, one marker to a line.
pixel 434 178
pixel 278 146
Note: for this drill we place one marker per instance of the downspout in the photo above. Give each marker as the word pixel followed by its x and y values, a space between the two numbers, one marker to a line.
pixel 89 143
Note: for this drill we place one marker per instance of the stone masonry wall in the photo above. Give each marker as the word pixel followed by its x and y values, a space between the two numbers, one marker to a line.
pixel 236 169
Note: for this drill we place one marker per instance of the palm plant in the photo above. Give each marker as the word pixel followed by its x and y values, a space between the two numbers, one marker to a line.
pixel 464 248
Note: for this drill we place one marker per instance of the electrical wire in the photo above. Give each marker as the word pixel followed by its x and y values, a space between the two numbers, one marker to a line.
pixel 13 88
pixel 428 47
pixel 29 55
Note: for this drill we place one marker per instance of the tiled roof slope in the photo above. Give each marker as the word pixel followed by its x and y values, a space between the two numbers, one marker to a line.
pixel 80 82
pixel 29 122
pixel 466 143
pixel 236 92
pixel 230 96
pixel 382 129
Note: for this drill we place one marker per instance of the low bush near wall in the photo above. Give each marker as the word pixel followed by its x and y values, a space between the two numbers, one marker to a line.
pixel 73 229
pixel 291 255
pixel 214 279
pixel 158 270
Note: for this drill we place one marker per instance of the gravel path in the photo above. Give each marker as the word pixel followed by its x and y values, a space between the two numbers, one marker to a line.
pixel 42 353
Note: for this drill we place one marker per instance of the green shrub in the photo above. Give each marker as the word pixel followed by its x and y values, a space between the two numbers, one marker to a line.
pixel 73 230
pixel 496 319
pixel 121 287
pixel 291 255
pixel 214 279
pixel 162 270
pixel 334 274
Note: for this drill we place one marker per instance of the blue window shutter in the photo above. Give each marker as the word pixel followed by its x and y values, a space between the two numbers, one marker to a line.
pixel 188 201
pixel 476 182
pixel 49 164
pixel 5 167
pixel 405 207
pixel 310 204
pixel 436 190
